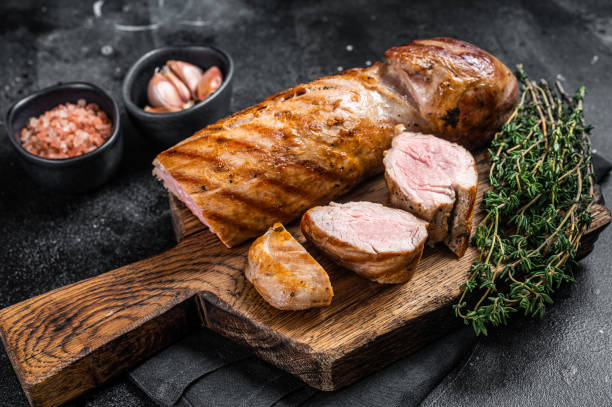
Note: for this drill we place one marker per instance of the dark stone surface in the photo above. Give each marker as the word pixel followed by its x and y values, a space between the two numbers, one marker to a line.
pixel 47 240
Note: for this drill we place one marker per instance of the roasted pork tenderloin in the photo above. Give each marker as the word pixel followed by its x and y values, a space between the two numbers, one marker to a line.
pixel 284 274
pixel 379 243
pixel 435 180
pixel 311 144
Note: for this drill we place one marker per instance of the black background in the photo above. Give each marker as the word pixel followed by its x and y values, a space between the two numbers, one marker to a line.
pixel 47 240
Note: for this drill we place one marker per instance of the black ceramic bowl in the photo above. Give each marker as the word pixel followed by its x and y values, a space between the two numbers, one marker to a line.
pixel 77 174
pixel 168 129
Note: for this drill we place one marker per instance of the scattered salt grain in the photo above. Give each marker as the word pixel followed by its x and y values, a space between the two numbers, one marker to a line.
pixel 349 48
pixel 368 62
pixel 106 50
pixel 339 69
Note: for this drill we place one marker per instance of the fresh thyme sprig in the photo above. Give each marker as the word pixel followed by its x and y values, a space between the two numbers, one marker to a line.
pixel 536 210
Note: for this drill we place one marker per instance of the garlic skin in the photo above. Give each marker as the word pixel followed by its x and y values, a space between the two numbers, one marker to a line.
pixel 209 83
pixel 188 73
pixel 181 88
pixel 161 92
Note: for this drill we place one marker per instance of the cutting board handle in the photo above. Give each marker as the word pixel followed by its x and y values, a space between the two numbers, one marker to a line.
pixel 72 339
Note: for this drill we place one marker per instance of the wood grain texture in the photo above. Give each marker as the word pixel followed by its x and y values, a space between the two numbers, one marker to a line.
pixel 69 340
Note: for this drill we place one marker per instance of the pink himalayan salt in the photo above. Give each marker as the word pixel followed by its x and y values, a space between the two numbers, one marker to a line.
pixel 67 130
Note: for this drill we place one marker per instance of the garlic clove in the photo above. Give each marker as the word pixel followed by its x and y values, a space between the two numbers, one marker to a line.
pixel 210 82
pixel 162 109
pixel 181 88
pixel 188 73
pixel 162 93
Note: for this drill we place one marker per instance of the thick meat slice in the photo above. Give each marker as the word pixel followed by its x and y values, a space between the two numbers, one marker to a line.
pixel 436 180
pixel 379 243
pixel 284 274
pixel 311 144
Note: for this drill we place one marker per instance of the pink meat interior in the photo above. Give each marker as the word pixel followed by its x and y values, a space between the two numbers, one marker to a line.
pixel 371 227
pixel 428 169
pixel 173 186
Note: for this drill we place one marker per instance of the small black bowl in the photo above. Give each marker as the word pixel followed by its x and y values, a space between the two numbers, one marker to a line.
pixel 168 129
pixel 77 174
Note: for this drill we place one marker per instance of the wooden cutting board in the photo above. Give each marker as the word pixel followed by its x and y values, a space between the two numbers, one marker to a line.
pixel 71 339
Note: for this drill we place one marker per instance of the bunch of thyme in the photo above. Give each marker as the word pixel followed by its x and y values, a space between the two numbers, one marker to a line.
pixel 536 210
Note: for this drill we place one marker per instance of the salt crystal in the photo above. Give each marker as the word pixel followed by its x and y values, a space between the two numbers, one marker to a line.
pixel 106 50
pixel 97 8
pixel 349 48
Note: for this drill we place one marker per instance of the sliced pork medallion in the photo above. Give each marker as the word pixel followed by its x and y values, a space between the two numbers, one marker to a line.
pixel 436 180
pixel 284 274
pixel 379 243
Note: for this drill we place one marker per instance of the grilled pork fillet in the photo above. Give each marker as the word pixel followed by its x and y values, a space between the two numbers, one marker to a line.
pixel 284 274
pixel 310 144
pixel 436 180
pixel 379 243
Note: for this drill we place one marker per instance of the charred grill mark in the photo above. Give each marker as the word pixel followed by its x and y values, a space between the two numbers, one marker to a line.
pixel 271 209
pixel 313 167
pixel 190 179
pixel 189 157
pixel 287 188
pixel 242 145
pixel 228 223
pixel 195 185
pixel 175 152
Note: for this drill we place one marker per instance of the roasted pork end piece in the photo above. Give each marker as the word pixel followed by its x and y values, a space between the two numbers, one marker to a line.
pixel 435 180
pixel 462 93
pixel 379 243
pixel 284 274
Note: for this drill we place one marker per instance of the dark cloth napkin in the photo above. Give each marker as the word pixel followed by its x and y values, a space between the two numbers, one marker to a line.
pixel 206 370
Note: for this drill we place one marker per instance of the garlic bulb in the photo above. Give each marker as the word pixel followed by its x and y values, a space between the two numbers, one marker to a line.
pixel 179 85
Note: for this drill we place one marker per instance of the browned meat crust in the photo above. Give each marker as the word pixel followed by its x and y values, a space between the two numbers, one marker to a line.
pixel 284 274
pixel 463 93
